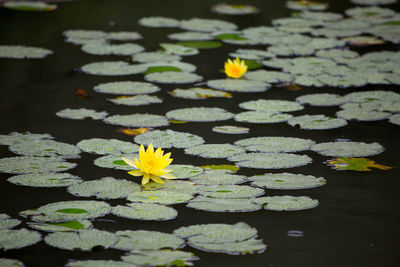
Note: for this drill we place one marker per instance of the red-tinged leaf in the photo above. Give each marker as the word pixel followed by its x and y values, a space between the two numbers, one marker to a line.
pixel 356 164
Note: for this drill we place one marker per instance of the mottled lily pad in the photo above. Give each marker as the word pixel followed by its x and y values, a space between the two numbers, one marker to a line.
pixel 199 93
pixel 251 54
pixel 237 85
pixel 286 203
pixel 113 68
pixel 160 197
pixel 286 181
pixel 222 205
pixel 200 44
pixel 107 146
pixel 190 36
pixel 14 137
pixel 173 77
pixel 262 117
pixel 207 25
pixel 395 119
pixel 138 100
pixel 268 76
pixel 228 9
pixel 45 179
pixel 347 149
pixel 81 113
pixel 117 49
pixel 270 160
pixel 104 188
pixel 127 88
pixel 306 5
pixel 199 114
pixel 316 122
pixel 159 22
pixel 270 105
pixel 230 191
pixel 66 226
pixel 15 239
pixel 45 148
pixel 180 50
pixel 362 114
pixel 17 165
pixel 160 258
pixel 145 211
pixel 242 247
pixel 137 120
pixel 322 99
pixel 218 178
pixel 230 129
pixel 214 150
pixel 84 240
pixel 7 223
pixel 275 144
pixel 11 263
pixel 147 240
pixel 168 139
pixel 21 52
pixel 115 162
pixel 99 263
pixel 172 186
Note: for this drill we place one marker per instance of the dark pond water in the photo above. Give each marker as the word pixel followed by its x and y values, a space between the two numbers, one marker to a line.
pixel 356 222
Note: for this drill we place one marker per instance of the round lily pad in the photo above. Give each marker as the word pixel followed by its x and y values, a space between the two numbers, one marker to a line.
pixel 171 66
pixel 15 239
pixel 270 105
pixel 65 226
pixel 182 171
pixel 127 88
pixel 366 96
pixel 168 139
pixel 172 186
pixel 270 160
pixel 275 144
pixel 180 50
pixel 324 16
pixel 160 258
pixel 347 149
pixel 199 93
pixel 251 54
pixel 395 119
pixel 321 99
pixel 138 100
pixel 241 247
pixel 17 165
pixel 7 223
pixel 21 52
pixel 108 49
pixel 81 113
pixel 113 68
pixel 104 188
pixel 123 36
pixel 222 205
pixel 160 197
pixel 229 129
pixel 306 5
pixel 199 114
pixel 159 22
pixel 173 77
pixel 228 9
pixel 147 240
pixel 145 211
pixel 286 181
pixel 268 76
pixel 237 85
pixel 98 263
pixel 218 178
pixel 190 36
pixel 45 179
pixel 45 148
pixel 137 120
pixel 84 240
pixel 107 146
pixel 362 114
pixel 14 137
pixel 316 122
pixel 146 57
pixel 115 162
pixel 85 34
pixel 262 117
pixel 214 150
pixel 230 191
pixel 286 203
pixel 207 25
pixel 11 262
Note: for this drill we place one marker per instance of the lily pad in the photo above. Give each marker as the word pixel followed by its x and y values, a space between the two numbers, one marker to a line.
pixel 160 258
pixel 275 144
pixel 242 247
pixel 180 50
pixel 355 164
pixel 113 68
pixel 104 188
pixel 373 2
pixel 237 85
pixel 199 114
pixel 230 191
pixel 190 36
pixel 7 223
pixel 228 9
pixel 222 205
pixel 286 181
pixel 173 77
pixel 362 114
pixel 98 263
pixel 45 148
pixel 218 178
pixel 262 117
pixel 268 76
pixel 201 44
pixel 229 129
pixel 316 122
pixel 115 162
pixel 123 36
pixel 66 226
pixel 147 240
pixel 14 137
pixel 251 54
pixel 395 119
pixel 270 160
pixel 107 146
pixel 224 168
pixel 321 99
pixel 29 6
pixel 45 179
pixel 126 88
pixel 11 262
pixel 145 211
pixel 214 150
pixel 116 49
pixel 160 197
pixel 306 5
pixel 287 203
pixel 199 93
pixel 22 52
pixel 172 186
pixel 168 139
pixel 84 240
pixel 159 22
pixel 81 113
pixel 138 100
pixel 207 25
pixel 17 165
pixel 137 120
pixel 347 149
pixel 182 171
pixel 270 105
pixel 15 239
pixel 85 34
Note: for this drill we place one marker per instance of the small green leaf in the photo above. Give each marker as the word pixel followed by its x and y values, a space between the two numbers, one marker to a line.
pixel 120 162
pixel 71 224
pixel 72 211
pixel 162 69
pixel 224 191
pixel 229 36
pixel 392 23
pixel 252 64
pixel 178 263
pixel 201 44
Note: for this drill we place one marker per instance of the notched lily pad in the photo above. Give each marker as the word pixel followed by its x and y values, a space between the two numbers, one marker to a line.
pixel 168 139
pixel 81 113
pixel 218 178
pixel 230 129
pixel 7 223
pixel 45 148
pixel 127 88
pixel 286 181
pixel 286 203
pixel 321 99
pixel 230 191
pixel 113 68
pixel 145 211
pixel 270 160
pixel 64 226
pixel 238 85
pixel 115 162
pixel 15 239
pixel 199 93
pixel 182 171
pixel 173 77
pixel 269 105
pixel 275 144
pixel 316 122
pixel 14 137
pixel 262 117
pixel 347 149
pixel 160 197
pixel 116 49
pixel 137 120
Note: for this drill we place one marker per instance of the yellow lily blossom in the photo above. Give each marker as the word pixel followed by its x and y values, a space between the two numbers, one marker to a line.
pixel 151 165
pixel 235 68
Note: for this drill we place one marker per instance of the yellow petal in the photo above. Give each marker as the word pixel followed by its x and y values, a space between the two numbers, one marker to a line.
pixel 168 176
pixel 137 163
pixel 129 162
pixel 146 178
pixel 136 173
pixel 141 152
pixel 156 179
pixel 158 153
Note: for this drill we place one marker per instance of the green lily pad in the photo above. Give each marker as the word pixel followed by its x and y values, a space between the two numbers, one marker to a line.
pixel 242 247
pixel 160 258
pixel 218 178
pixel 11 262
pixel 115 162
pixel 373 2
pixel 190 36
pixel 229 129
pixel 199 114
pixel 199 93
pixel 113 68
pixel 173 77
pixel 162 69
pixel 107 146
pixel 14 137
pixel 251 55
pixel 182 171
pixel 65 226
pixel 271 105
pixel 160 197
pixel 347 149
pixel 286 181
pixel 275 144
pixel 172 186
pixel 268 76
pixel 15 239
pixel 316 122
pixel 7 223
pixel 224 168
pixel 214 150
pixel 306 5
pixel 287 203
pixel 395 119
pixel 45 179
pixel 321 99
pixel 81 113
pixel 138 100
pixel 45 148
pixel 228 9
pixel 145 211
pixel 362 114
pixel 116 49
pixel 137 120
pixel 238 85
pixel 262 117
pixel 84 240
pixel 98 263
pixel 270 160
pixel 158 22
pixel 18 165
pixel 126 88
pixel 201 44
pixel 168 139
pixel 22 52
pixel 222 205
pixel 230 191
pixel 180 50
pixel 207 25
pixel 29 6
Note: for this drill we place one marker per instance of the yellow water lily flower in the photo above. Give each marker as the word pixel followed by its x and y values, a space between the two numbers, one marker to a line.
pixel 235 68
pixel 151 165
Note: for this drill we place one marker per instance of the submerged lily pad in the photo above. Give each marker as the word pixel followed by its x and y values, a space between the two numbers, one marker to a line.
pixel 224 168
pixel 43 148
pixel 286 203
pixel 229 129
pixel 275 144
pixel 45 179
pixel 270 160
pixel 17 165
pixel 237 85
pixel 199 114
pixel 145 211
pixel 222 205
pixel 160 258
pixel 104 188
pixel 347 149
pixel 230 191
pixel 107 146
pixel 113 68
pixel 200 44
pixel 355 164
pixel 214 150
pixel 286 181
pixel 218 178
pixel 270 105
pixel 84 240
pixel 81 113
pixel 117 49
pixel 7 223
pixel 21 52
pixel 316 122
pixel 126 88
pixel 66 226
pixel 147 240
pixel 199 93
pixel 115 162
pixel 137 120
pixel 168 139
pixel 160 197
pixel 262 117
pixel 14 137
pixel 15 239
pixel 173 77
